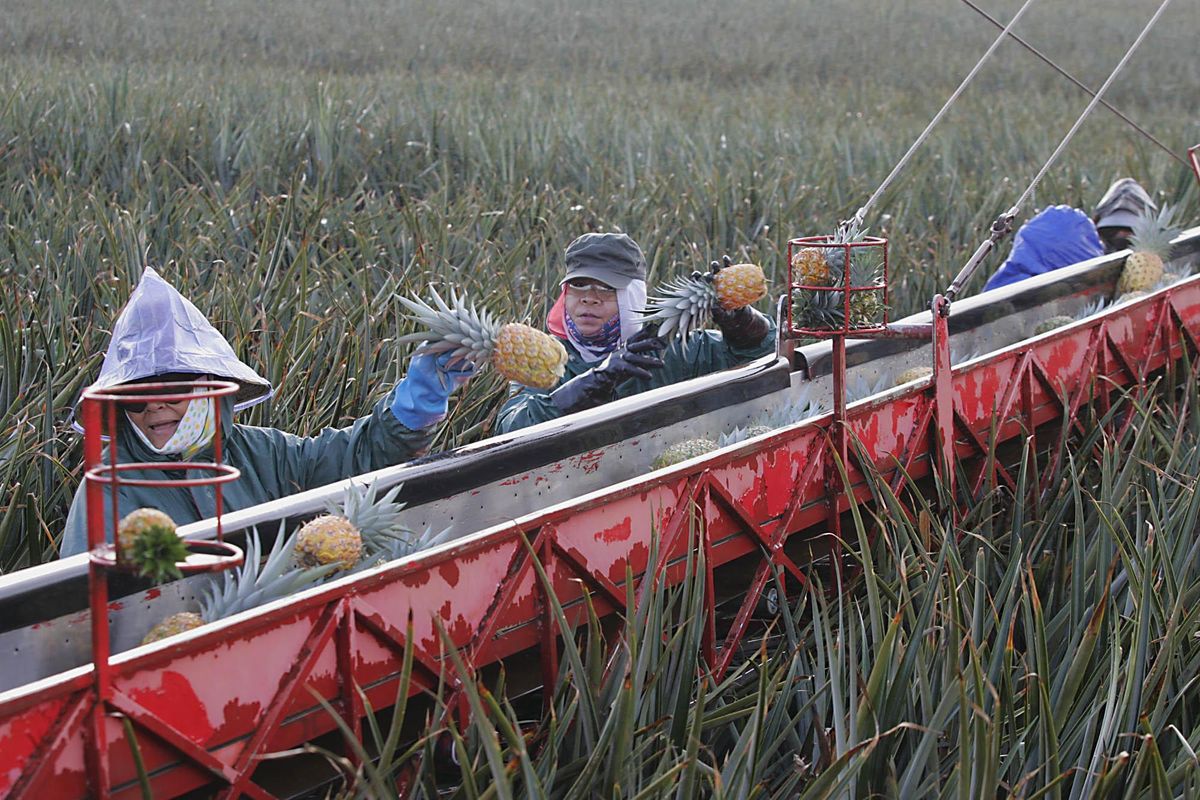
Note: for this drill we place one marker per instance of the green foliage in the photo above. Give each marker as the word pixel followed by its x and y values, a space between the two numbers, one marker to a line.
pixel 1038 647
pixel 289 168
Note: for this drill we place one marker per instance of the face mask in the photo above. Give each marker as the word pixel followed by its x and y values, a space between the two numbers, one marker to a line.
pixel 195 431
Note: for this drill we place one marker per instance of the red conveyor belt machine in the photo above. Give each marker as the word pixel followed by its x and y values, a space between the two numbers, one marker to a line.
pixel 580 498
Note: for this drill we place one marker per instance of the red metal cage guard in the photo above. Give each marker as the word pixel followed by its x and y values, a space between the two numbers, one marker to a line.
pixel 203 556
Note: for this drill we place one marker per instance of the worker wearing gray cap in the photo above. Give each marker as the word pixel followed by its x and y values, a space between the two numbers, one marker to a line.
pixel 598 318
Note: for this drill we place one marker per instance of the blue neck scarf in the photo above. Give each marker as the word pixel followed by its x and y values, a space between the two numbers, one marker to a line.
pixel 601 342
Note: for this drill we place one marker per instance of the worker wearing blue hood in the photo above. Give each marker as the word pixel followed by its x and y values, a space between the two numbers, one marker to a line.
pixel 160 336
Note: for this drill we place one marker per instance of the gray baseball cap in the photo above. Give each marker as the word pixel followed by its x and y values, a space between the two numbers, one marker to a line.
pixel 612 258
pixel 1122 204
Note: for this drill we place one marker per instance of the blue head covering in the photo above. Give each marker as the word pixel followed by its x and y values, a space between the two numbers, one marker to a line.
pixel 1056 237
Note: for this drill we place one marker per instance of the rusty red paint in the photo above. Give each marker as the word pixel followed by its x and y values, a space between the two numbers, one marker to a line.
pixel 588 462
pixel 175 697
pixel 516 480
pixel 448 571
pixel 615 533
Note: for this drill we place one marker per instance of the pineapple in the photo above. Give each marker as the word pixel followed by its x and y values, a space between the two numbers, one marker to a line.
pixel 810 266
pixel 328 539
pixel 1151 246
pixel 1047 325
pixel 148 544
pixel 687 302
pixel 518 352
pixel 252 584
pixel 739 285
pixel 913 374
pixel 682 451
pixel 360 526
pixel 826 310
pixel 174 625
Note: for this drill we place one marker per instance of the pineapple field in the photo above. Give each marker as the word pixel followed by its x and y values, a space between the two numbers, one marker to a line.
pixel 308 173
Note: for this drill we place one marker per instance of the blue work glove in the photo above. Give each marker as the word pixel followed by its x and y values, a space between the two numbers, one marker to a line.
pixel 422 398
pixel 634 359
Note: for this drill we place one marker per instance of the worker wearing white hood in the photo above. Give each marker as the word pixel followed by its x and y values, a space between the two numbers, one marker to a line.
pixel 160 336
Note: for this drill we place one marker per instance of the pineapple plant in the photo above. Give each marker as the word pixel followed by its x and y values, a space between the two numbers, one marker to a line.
pixel 360 526
pixel 826 310
pixel 519 352
pixel 252 584
pixel 1151 246
pixel 686 303
pixel 682 451
pixel 148 544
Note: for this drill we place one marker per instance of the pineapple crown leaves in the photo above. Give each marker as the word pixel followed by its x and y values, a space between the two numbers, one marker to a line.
pixel 257 582
pixel 1153 232
pixel 684 305
pixel 1094 307
pixel 458 327
pixel 396 545
pixel 156 552
pixel 376 518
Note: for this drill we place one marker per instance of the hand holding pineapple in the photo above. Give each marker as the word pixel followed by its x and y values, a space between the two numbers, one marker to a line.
pixel 725 290
pixel 518 352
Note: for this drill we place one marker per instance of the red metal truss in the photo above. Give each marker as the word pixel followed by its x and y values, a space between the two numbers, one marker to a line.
pixel 209 704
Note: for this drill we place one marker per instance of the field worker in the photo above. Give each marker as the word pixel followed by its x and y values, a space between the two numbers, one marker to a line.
pixel 1116 212
pixel 160 336
pixel 1060 236
pixel 1055 237
pixel 597 318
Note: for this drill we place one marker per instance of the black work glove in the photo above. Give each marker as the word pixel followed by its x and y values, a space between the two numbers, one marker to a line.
pixel 741 327
pixel 634 359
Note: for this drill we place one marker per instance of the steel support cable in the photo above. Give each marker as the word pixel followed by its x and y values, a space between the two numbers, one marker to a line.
pixel 1050 62
pixel 857 220
pixel 1003 224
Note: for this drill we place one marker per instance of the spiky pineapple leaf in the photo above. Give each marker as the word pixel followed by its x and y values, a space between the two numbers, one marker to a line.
pixel 155 553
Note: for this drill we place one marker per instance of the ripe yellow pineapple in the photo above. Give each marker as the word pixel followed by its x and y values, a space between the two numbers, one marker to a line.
pixel 913 374
pixel 147 543
pixel 810 266
pixel 1151 246
pixel 174 624
pixel 253 583
pixel 328 539
pixel 739 285
pixel 518 352
pixel 361 525
pixel 686 303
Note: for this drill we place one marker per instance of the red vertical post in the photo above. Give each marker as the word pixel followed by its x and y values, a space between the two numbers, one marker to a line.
pixel 943 392
pixel 216 401
pixel 96 753
pixel 549 648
